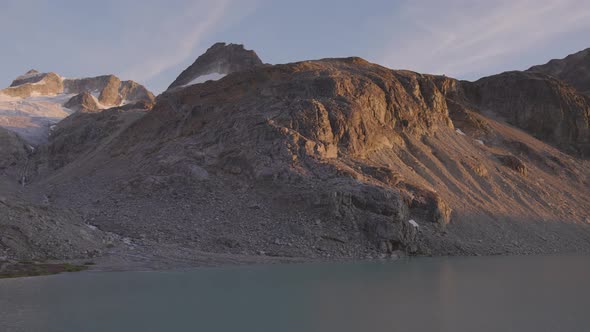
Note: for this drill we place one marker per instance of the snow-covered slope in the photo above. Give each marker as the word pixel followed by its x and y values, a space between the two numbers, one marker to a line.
pixel 35 101
pixel 32 117
pixel 205 78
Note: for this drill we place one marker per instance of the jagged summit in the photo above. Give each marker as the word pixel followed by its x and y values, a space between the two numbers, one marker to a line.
pixel 574 69
pixel 30 76
pixel 219 60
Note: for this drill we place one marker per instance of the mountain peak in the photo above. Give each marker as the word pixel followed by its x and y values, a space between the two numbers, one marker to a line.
pixel 219 60
pixel 32 72
pixel 31 76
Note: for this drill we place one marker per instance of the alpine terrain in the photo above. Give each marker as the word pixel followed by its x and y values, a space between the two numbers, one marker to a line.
pixel 241 161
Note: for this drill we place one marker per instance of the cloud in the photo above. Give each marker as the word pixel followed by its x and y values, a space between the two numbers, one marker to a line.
pixel 147 41
pixel 460 38
pixel 179 36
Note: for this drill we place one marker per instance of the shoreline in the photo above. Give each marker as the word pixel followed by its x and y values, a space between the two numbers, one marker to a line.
pixel 115 263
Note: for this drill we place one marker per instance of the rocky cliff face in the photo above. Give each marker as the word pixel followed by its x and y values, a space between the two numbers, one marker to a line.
pixel 573 69
pixel 543 106
pixel 220 59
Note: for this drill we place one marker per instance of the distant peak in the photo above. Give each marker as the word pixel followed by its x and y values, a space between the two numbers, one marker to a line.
pixel 220 59
pixel 31 73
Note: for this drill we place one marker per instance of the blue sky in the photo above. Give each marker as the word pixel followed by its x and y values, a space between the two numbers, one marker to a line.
pixel 152 41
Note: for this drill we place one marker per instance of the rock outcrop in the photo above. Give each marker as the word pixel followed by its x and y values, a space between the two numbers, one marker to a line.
pixel 133 92
pixel 220 59
pixel 82 102
pixel 109 90
pixel 573 69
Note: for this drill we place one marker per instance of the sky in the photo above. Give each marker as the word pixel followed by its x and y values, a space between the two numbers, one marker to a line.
pixel 152 41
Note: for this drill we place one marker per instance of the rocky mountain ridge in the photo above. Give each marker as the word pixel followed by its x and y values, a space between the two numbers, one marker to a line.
pixel 328 159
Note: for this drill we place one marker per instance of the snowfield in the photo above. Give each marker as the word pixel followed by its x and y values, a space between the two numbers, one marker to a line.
pixel 32 117
pixel 205 78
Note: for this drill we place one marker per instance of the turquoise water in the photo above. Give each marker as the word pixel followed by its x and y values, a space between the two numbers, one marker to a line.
pixel 424 294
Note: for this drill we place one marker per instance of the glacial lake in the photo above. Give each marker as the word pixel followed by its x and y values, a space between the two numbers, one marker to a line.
pixel 539 293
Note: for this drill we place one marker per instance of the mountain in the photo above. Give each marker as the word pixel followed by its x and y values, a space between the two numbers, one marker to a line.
pixel 573 69
pixel 36 101
pixel 541 105
pixel 325 159
pixel 219 60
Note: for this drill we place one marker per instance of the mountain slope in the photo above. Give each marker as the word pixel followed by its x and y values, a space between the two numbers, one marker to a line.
pixel 573 69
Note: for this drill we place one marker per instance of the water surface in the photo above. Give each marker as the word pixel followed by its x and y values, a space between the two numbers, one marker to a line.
pixel 425 294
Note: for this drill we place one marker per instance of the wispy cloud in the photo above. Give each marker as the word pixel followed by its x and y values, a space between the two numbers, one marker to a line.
pixel 181 34
pixel 148 41
pixel 460 37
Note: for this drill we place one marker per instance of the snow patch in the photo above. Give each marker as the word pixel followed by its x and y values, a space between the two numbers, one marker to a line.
pixel 205 78
pixel 460 132
pixel 413 223
pixel 479 141
pixel 32 117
